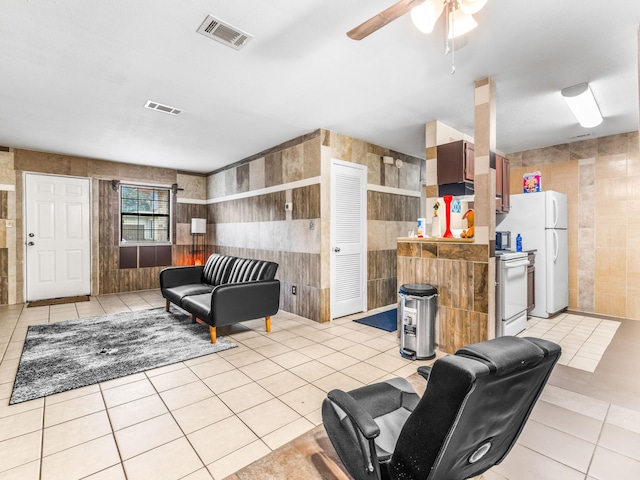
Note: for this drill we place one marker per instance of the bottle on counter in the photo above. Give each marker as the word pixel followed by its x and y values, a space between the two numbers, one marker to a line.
pixel 422 228
pixel 518 243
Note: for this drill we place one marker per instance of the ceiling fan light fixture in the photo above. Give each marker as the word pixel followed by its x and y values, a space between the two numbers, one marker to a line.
pixel 471 6
pixel 425 15
pixel 460 23
pixel 583 104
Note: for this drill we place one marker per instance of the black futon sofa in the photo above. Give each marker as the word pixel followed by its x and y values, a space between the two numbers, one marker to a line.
pixel 223 291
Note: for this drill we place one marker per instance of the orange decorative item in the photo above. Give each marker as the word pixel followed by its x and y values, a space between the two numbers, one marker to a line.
pixel 447 210
pixel 468 233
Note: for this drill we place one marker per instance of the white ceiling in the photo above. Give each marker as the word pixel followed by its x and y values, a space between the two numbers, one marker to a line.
pixel 75 75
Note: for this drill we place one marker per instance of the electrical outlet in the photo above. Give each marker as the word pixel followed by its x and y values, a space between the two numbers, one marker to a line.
pixel 294 290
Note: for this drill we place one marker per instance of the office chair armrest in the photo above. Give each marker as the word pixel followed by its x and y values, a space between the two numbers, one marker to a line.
pixel 424 371
pixel 358 415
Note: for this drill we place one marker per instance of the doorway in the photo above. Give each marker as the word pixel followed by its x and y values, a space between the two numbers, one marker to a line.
pixel 348 263
pixel 57 236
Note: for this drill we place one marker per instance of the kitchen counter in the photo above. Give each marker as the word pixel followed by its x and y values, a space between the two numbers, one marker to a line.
pixel 460 269
pixel 436 239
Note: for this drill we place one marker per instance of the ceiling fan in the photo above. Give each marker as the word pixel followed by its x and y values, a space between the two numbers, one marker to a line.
pixel 424 14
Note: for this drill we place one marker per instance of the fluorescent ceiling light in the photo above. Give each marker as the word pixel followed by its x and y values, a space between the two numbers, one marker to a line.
pixel 583 105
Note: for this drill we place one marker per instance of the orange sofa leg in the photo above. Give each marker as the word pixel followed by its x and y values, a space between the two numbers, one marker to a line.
pixel 167 305
pixel 212 332
pixel 267 324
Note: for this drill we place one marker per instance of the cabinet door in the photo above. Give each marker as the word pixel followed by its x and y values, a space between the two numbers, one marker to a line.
pixel 503 189
pixel 450 162
pixel 455 162
pixel 506 185
pixel 499 184
pixel 469 159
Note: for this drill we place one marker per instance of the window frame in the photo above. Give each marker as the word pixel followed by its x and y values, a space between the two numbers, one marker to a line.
pixel 121 214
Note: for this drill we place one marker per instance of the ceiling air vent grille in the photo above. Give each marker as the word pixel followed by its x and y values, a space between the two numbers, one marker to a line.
pixel 224 33
pixel 162 108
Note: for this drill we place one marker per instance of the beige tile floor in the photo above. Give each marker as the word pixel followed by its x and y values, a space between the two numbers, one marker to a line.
pixel 583 339
pixel 211 416
pixel 203 418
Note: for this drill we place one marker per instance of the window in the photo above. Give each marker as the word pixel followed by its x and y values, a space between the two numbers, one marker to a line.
pixel 145 214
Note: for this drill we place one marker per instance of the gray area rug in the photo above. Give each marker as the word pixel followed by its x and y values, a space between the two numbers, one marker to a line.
pixel 65 355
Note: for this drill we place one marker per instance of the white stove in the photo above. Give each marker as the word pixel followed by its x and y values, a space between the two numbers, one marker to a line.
pixel 511 292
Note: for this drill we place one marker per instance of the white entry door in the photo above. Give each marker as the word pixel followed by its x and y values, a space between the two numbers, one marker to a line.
pixel 348 238
pixel 57 236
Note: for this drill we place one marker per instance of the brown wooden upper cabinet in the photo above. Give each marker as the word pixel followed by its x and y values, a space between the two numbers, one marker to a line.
pixel 503 188
pixel 456 173
pixel 455 162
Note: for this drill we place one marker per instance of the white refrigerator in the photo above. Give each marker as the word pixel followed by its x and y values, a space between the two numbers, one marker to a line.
pixel 541 219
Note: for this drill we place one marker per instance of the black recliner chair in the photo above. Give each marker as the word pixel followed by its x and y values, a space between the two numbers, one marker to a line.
pixel 471 414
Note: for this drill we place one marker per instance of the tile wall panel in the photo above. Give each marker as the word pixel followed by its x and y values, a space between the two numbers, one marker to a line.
pixel 381 278
pixel 273 169
pixel 4 204
pixel 242 178
pixel 263 208
pixel 381 264
pixel 186 211
pixel 392 207
pixel 381 292
pixel 256 174
pixel 311 157
pixel 599 177
pixel 230 181
pixel 306 202
pixel 293 164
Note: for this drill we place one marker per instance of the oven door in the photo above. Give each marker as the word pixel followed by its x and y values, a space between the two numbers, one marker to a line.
pixel 513 287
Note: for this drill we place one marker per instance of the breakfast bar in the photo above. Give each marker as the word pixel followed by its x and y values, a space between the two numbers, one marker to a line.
pixel 460 269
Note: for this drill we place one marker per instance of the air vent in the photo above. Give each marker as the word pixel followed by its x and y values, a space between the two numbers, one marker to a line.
pixel 222 32
pixel 162 108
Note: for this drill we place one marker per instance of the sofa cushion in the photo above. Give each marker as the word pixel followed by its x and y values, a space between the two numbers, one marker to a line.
pixel 217 269
pixel 198 305
pixel 177 294
pixel 249 270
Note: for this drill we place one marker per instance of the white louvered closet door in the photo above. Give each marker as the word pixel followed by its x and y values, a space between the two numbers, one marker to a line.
pixel 348 238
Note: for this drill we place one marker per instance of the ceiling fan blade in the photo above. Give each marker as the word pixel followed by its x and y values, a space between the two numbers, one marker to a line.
pixel 383 18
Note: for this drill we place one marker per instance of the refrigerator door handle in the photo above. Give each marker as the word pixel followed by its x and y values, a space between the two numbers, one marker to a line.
pixel 556 246
pixel 555 212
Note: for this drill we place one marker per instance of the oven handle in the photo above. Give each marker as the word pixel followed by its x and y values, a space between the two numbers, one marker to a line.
pixel 523 263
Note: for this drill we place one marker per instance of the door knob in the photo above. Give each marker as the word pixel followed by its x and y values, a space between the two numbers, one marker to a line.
pixel 336 249
pixel 31 235
pixel 31 244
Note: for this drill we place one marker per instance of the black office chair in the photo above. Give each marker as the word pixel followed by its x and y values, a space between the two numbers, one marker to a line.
pixel 471 414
